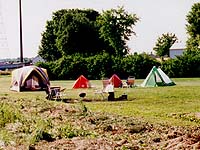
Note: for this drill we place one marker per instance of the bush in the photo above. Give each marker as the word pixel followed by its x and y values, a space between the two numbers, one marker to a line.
pixel 183 66
pixel 100 66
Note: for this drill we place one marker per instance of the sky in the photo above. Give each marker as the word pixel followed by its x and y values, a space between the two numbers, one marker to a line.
pixel 156 17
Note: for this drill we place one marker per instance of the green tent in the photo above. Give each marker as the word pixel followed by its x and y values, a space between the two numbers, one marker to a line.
pixel 157 77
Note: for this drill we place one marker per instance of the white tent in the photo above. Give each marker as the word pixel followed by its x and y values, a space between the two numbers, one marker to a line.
pixel 157 77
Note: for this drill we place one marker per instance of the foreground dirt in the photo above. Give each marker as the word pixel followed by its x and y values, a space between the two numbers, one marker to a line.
pixel 171 140
pixel 96 131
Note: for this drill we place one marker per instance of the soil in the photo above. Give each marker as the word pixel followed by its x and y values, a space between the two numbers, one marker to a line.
pixel 108 132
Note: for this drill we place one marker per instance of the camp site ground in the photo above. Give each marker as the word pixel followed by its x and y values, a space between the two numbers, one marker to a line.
pixel 151 103
pixel 151 117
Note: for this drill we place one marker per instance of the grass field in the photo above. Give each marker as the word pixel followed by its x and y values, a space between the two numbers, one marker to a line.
pixel 174 105
pixel 151 118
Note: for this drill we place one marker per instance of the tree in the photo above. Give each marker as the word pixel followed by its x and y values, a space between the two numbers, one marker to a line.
pixel 86 32
pixel 78 33
pixel 116 26
pixel 48 49
pixel 69 32
pixel 164 43
pixel 193 28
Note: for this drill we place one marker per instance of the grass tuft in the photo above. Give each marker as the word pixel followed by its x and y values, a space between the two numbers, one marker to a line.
pixel 8 114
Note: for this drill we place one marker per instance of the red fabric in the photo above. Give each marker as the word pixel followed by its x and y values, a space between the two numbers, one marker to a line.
pixel 81 82
pixel 116 81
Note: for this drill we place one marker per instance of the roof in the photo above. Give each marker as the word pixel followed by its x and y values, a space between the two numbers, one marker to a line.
pixel 177 49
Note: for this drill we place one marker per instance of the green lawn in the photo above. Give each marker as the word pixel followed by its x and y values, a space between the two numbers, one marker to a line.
pixel 174 105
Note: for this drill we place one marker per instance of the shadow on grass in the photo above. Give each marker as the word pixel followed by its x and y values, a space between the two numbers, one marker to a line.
pixel 70 100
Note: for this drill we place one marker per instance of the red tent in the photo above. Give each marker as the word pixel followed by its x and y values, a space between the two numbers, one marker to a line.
pixel 116 81
pixel 81 82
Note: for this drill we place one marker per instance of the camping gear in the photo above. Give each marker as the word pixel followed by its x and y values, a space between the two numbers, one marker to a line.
pixel 98 93
pixel 116 81
pixel 52 92
pixel 81 82
pixel 55 93
pixel 122 97
pixel 82 94
pixel 157 77
pixel 130 81
pixel 29 78
pixel 105 83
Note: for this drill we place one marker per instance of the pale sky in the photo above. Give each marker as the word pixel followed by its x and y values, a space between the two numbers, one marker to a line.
pixel 156 17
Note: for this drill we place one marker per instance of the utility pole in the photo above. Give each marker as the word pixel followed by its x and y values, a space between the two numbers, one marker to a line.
pixel 20 31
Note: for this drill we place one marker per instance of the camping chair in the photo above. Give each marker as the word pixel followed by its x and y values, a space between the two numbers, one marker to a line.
pixel 131 81
pixel 55 93
pixel 125 85
pixel 52 93
pixel 60 93
pixel 99 93
pixel 105 83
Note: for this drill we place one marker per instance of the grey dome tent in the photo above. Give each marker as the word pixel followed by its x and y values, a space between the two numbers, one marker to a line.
pixel 29 78
pixel 157 77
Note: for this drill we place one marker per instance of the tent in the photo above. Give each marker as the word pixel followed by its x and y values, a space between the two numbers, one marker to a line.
pixel 29 78
pixel 116 81
pixel 81 82
pixel 157 77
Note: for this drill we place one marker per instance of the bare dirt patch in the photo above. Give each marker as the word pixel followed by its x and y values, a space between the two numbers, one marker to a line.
pixel 76 128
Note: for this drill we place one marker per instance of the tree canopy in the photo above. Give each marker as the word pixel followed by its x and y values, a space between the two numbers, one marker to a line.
pixel 116 26
pixel 193 28
pixel 86 32
pixel 164 43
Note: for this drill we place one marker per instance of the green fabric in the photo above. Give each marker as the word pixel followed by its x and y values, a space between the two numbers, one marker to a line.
pixel 151 80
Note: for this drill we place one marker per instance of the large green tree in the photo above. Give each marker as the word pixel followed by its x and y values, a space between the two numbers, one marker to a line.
pixel 69 32
pixel 164 43
pixel 86 32
pixel 116 27
pixel 78 33
pixel 193 29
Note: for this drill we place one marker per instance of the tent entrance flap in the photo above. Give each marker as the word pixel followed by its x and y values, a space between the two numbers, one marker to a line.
pixel 32 83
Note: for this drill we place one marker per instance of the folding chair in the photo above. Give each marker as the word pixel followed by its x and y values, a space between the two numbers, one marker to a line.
pixel 105 83
pixel 131 81
pixel 60 93
pixel 54 93
pixel 125 85
pixel 99 93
